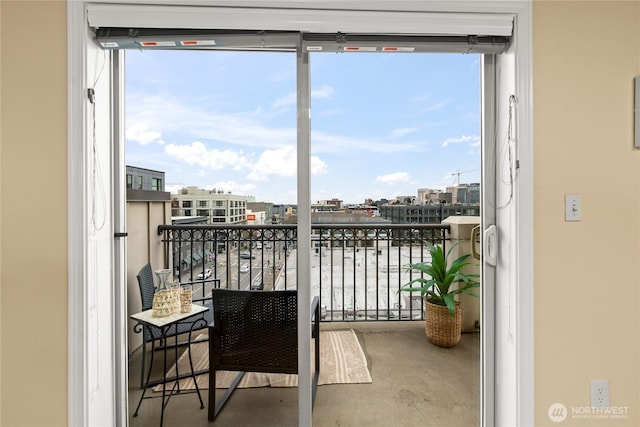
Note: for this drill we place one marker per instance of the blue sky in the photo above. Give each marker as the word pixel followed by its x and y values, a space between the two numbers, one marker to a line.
pixel 383 124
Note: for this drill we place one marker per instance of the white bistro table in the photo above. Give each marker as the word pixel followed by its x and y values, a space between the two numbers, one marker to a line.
pixel 164 324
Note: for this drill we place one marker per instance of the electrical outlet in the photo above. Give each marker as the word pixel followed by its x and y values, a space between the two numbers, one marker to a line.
pixel 600 394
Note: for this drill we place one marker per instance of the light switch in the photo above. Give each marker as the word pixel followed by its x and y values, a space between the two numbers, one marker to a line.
pixel 572 207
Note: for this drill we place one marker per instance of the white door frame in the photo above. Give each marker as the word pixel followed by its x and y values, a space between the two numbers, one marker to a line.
pixel 84 404
pixel 488 219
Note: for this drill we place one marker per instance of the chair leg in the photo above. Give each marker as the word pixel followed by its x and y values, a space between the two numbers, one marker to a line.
pixel 144 361
pixel 211 405
pixel 216 407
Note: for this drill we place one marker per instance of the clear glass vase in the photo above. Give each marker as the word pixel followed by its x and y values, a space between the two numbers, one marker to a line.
pixel 162 301
pixel 164 278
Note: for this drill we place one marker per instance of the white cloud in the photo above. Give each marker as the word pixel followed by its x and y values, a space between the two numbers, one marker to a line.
pixel 400 132
pixel 281 162
pixel 167 116
pixel 472 139
pixel 139 132
pixel 276 162
pixel 318 167
pixel 325 92
pixel 241 128
pixel 174 188
pixel 394 178
pixel 198 154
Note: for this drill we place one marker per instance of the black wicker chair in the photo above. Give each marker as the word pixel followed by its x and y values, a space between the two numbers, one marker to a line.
pixel 149 334
pixel 256 331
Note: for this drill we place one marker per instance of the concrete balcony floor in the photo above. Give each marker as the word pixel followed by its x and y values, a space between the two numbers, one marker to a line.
pixel 415 383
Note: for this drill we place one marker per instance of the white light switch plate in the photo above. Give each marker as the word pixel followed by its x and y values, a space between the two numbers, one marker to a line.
pixel 572 207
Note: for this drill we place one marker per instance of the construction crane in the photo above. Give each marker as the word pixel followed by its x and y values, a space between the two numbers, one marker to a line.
pixel 459 172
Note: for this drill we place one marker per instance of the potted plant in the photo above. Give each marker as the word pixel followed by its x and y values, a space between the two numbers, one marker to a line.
pixel 439 282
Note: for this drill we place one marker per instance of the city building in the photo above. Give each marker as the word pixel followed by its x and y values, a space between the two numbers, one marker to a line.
pixel 256 217
pixel 406 200
pixel 265 207
pixel 430 195
pixel 426 214
pixel 465 193
pixel 369 210
pixel 327 205
pixel 218 206
pixel 284 214
pixel 144 179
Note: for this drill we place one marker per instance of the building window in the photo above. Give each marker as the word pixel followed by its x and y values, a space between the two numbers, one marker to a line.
pixel 186 203
pixel 219 203
pixel 139 182
pixel 219 212
pixel 202 212
pixel 156 184
pixel 187 212
pixel 129 180
pixel 202 203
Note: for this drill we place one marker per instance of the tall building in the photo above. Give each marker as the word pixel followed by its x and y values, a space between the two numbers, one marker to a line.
pixel 430 195
pixel 265 207
pixel 465 193
pixel 144 179
pixel 219 207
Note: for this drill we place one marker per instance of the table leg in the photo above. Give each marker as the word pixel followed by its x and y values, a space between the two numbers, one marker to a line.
pixel 193 374
pixel 146 384
pixel 175 355
pixel 164 372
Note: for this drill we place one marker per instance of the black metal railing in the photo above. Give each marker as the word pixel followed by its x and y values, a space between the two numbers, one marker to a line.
pixel 357 270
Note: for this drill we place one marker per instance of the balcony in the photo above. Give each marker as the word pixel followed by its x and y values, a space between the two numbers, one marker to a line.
pixel 357 271
pixel 414 384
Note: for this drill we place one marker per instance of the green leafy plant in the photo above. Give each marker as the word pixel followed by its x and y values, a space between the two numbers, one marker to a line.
pixel 437 287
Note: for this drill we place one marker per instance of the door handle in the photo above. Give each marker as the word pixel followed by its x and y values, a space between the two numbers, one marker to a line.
pixel 490 245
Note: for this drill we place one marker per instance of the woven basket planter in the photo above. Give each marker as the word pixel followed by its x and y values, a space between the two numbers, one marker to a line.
pixel 442 329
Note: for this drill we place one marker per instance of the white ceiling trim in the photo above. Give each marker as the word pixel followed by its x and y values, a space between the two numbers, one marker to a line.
pixel 305 20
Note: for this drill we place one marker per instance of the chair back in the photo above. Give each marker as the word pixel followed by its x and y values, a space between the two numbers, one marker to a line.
pixel 147 288
pixel 254 331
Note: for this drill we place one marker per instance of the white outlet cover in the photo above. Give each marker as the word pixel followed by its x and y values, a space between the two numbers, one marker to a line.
pixel 600 394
